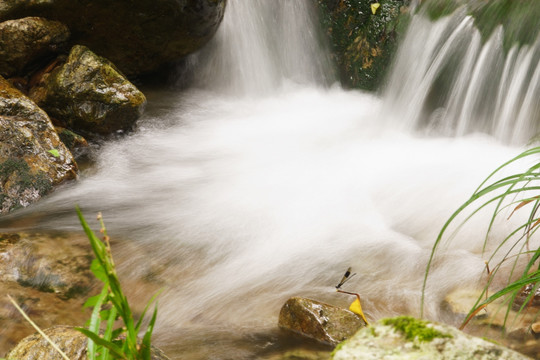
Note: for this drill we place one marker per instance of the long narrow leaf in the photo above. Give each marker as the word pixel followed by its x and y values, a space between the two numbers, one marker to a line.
pixel 95 321
pixel 117 351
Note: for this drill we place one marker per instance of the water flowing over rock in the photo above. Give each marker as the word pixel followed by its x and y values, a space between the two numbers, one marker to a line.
pixel 319 321
pixel 70 341
pixel 137 36
pixel 88 93
pixel 32 157
pixel 407 338
pixel 24 41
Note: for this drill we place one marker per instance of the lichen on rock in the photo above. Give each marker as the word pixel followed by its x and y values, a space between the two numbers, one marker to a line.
pixel 89 94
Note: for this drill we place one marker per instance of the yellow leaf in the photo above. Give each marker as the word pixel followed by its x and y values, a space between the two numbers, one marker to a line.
pixel 374 7
pixel 356 308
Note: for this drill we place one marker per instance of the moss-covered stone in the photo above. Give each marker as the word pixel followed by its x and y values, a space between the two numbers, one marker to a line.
pixel 89 94
pixel 406 338
pixel 363 42
pixel 137 36
pixel 520 19
pixel 26 41
pixel 414 328
pixel 32 157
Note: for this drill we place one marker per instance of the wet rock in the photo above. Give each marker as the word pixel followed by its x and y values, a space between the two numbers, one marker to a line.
pixel 137 36
pixel 49 277
pixel 526 295
pixel 408 338
pixel 32 158
pixel 89 94
pixel 319 321
pixel 70 139
pixel 363 43
pixel 34 261
pixel 69 340
pixel 26 41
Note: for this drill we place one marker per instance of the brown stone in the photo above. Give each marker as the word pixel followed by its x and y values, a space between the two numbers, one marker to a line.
pixel 323 322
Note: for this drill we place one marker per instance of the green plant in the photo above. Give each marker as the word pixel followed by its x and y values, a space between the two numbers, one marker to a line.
pixel 110 305
pixel 508 195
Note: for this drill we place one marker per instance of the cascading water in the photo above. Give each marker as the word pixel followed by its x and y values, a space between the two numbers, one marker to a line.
pixel 460 84
pixel 264 183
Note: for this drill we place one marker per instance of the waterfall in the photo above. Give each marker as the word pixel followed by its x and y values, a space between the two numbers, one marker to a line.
pixel 261 182
pixel 246 58
pixel 447 80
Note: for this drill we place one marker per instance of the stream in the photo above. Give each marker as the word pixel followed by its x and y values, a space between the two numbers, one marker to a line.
pixel 265 180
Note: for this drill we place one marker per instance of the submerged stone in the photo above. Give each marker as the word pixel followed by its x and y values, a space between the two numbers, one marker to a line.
pixel 32 158
pixel 323 322
pixel 89 94
pixel 404 338
pixel 29 40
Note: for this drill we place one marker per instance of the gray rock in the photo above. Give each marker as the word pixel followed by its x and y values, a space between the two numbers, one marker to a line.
pixel 137 36
pixel 323 322
pixel 405 338
pixel 89 94
pixel 32 158
pixel 25 41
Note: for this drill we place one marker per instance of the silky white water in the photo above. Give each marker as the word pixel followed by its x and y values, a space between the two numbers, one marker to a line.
pixel 270 184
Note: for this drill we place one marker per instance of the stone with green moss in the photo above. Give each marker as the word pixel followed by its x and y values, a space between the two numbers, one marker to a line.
pixel 89 94
pixel 407 338
pixel 520 19
pixel 29 168
pixel 363 43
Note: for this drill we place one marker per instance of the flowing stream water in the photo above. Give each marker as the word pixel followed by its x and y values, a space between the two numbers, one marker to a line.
pixel 266 180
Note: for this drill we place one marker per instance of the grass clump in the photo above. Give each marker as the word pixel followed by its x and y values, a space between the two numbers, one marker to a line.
pixel 413 328
pixel 507 195
pixel 112 305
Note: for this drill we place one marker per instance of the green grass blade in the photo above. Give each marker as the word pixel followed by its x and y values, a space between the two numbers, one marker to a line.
pixel 95 322
pixel 146 348
pixel 116 350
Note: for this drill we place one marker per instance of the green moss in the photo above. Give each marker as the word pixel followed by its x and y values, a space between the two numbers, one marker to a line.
pixel 413 328
pixel 337 348
pixel 436 9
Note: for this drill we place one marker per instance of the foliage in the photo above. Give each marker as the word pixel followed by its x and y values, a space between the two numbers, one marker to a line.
pixel 111 304
pixel 413 328
pixel 507 194
pixel 363 39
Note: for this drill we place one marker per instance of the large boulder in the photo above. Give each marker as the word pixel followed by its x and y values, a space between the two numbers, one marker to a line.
pixel 89 94
pixel 404 338
pixel 29 40
pixel 137 36
pixel 323 322
pixel 70 341
pixel 32 158
pixel 363 40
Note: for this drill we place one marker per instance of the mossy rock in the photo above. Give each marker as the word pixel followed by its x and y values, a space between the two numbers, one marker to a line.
pixel 32 158
pixel 520 19
pixel 137 36
pixel 407 338
pixel 363 42
pixel 88 94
